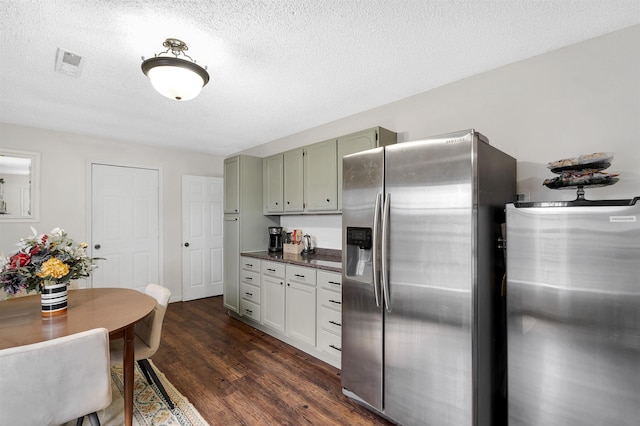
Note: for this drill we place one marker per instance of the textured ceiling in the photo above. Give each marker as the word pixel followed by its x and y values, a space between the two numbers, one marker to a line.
pixel 277 67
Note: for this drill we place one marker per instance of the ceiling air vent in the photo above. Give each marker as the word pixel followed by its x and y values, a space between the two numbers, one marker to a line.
pixel 68 63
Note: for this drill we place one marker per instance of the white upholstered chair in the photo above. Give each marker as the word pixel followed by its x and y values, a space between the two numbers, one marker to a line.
pixel 55 381
pixel 147 338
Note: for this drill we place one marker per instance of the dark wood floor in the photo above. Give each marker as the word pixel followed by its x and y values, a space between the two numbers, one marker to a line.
pixel 237 375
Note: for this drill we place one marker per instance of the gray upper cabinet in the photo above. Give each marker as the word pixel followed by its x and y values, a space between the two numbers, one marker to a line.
pixel 308 180
pixel 272 181
pixel 321 177
pixel 293 181
pixel 361 141
pixel 232 185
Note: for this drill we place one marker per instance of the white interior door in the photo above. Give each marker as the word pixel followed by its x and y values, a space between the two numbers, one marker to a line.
pixel 125 226
pixel 202 237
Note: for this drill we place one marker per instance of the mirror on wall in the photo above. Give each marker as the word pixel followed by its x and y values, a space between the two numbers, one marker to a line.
pixel 19 186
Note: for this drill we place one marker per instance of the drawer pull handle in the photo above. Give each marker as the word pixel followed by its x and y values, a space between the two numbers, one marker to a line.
pixel 248 294
pixel 271 270
pixel 280 282
pixel 249 311
pixel 335 323
pixel 334 282
pixel 335 301
pixel 250 265
pixel 336 348
pixel 248 278
pixel 298 275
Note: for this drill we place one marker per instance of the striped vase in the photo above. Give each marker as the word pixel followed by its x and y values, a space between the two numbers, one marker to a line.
pixel 54 299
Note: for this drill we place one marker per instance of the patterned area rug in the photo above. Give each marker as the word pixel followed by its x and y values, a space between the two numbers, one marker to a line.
pixel 148 406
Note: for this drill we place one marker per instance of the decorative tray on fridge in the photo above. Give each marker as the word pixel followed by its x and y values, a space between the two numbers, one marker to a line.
pixel 593 180
pixel 580 172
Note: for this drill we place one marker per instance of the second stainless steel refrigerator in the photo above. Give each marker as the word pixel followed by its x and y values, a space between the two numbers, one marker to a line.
pixel 573 313
pixel 422 340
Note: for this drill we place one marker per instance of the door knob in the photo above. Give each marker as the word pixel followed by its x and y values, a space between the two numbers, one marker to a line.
pixel 97 247
pixel 186 244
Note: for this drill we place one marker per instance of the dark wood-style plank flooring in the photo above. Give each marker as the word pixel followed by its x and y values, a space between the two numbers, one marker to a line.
pixel 237 375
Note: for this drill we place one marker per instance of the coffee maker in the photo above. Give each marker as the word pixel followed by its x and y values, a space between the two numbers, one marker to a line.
pixel 275 238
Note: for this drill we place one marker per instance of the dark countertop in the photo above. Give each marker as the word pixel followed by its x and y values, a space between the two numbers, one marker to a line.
pixel 326 259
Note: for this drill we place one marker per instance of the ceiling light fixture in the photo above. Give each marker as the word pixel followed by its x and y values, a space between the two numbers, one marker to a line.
pixel 175 78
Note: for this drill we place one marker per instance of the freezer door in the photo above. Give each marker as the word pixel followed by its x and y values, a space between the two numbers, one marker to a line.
pixel 573 315
pixel 428 328
pixel 361 312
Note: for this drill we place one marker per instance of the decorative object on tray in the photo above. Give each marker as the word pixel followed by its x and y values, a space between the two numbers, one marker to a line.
pixel 580 172
pixel 46 264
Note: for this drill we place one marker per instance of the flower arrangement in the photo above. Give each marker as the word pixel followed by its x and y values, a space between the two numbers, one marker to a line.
pixel 46 259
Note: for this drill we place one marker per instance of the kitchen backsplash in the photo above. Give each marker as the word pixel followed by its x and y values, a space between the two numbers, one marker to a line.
pixel 325 230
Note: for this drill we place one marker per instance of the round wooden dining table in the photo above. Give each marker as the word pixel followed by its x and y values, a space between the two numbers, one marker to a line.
pixel 116 309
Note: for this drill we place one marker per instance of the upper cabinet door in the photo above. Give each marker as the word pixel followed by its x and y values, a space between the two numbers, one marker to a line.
pixel 321 177
pixel 293 178
pixel 351 144
pixel 273 175
pixel 358 142
pixel 232 185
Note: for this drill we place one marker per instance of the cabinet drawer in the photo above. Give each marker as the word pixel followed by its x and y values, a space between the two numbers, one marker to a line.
pixel 274 269
pixel 250 277
pixel 330 280
pixel 330 343
pixel 330 299
pixel 250 309
pixel 330 320
pixel 250 264
pixel 301 275
pixel 250 292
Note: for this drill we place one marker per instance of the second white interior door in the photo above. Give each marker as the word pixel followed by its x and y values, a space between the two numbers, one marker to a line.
pixel 202 237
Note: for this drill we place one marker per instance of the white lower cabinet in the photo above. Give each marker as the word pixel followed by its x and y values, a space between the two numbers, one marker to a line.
pixel 330 314
pixel 298 305
pixel 273 295
pixel 300 318
pixel 250 290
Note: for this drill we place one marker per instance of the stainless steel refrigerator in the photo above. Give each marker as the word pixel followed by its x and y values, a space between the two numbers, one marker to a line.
pixel 573 313
pixel 422 272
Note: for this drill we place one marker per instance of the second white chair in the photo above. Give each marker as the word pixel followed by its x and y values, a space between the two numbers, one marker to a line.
pixel 147 338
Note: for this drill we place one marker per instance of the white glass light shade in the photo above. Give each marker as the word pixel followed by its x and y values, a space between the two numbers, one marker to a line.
pixel 175 78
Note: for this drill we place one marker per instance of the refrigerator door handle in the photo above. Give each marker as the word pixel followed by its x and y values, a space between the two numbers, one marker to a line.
pixel 385 243
pixel 376 272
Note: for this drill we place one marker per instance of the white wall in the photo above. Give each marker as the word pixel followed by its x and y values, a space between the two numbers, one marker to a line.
pixel 64 159
pixel 577 100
